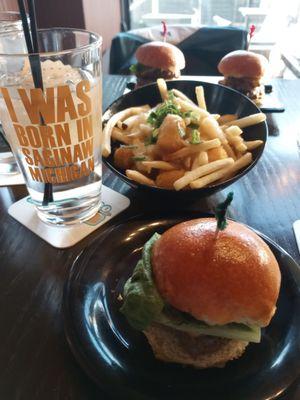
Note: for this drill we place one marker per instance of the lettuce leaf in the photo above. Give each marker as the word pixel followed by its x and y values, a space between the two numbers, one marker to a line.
pixel 144 305
pixel 186 323
pixel 142 302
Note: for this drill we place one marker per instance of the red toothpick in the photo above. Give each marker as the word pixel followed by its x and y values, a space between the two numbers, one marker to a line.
pixel 251 34
pixel 165 30
pixel 252 30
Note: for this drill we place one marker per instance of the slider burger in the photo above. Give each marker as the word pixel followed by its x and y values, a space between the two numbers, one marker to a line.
pixel 157 60
pixel 243 71
pixel 201 297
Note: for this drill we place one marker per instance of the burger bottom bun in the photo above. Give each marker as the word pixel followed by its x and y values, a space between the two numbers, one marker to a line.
pixel 171 345
pixel 252 88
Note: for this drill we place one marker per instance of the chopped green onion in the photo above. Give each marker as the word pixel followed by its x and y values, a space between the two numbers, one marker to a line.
pixel 195 139
pixel 156 117
pixel 155 133
pixel 152 118
pixel 171 95
pixel 139 158
pixel 152 139
pixel 133 68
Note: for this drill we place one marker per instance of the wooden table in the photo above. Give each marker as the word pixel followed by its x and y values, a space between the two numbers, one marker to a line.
pixel 35 361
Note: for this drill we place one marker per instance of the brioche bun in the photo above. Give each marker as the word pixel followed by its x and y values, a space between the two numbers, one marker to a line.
pixel 242 63
pixel 232 278
pixel 160 55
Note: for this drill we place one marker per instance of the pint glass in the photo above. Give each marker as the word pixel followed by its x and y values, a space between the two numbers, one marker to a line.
pixel 54 129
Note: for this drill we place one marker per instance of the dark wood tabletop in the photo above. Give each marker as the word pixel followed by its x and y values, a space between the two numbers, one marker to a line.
pixel 35 361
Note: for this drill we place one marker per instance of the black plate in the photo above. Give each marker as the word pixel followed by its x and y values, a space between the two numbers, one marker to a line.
pixel 120 360
pixel 219 100
pixel 271 103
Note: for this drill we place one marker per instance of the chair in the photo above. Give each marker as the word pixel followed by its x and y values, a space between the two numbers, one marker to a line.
pixel 203 49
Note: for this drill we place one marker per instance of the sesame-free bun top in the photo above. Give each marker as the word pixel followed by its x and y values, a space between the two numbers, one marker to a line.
pixel 243 64
pixel 233 277
pixel 160 55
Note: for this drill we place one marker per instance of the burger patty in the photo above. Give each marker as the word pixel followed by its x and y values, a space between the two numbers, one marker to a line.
pixel 155 73
pixel 147 74
pixel 251 87
pixel 201 351
pixel 141 80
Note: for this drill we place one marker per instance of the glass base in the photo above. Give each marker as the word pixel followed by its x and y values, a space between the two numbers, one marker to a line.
pixel 65 216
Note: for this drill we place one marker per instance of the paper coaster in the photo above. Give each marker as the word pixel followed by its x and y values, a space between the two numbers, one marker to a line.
pixel 296 227
pixel 62 237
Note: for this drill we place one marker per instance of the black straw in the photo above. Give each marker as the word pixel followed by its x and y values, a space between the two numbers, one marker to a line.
pixel 33 26
pixel 25 26
pixel 35 66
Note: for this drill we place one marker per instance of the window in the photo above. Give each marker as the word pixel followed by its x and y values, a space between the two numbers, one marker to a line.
pixel 277 25
pixel 269 16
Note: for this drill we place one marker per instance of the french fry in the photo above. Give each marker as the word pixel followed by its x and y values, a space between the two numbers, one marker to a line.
pixel 241 147
pixel 242 162
pixel 203 158
pixel 210 127
pixel 200 97
pixel 227 118
pixel 135 134
pixel 129 122
pixel 229 150
pixel 187 163
pixel 107 131
pixel 182 96
pixel 195 163
pixel 200 159
pixel 201 171
pixel 139 178
pixel 163 165
pixel 118 134
pixel 239 154
pixel 233 131
pixel 237 142
pixel 216 116
pixel 192 149
pixel 234 140
pixel 146 129
pixel 186 106
pixel 246 121
pixel 121 125
pixel 222 173
pixel 162 87
pixel 253 144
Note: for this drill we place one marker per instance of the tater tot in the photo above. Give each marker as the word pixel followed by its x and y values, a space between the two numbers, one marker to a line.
pixel 166 179
pixel 217 153
pixel 169 139
pixel 123 158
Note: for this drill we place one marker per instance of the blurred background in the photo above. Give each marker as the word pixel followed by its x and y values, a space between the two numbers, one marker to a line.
pixel 277 23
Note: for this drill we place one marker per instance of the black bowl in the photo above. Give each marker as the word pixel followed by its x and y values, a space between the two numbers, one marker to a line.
pixel 219 100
